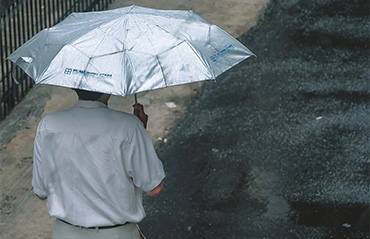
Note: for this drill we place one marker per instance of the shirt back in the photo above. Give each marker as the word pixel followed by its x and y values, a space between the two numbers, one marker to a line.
pixel 93 163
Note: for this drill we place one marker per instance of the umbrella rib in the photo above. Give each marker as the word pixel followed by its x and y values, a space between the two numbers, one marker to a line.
pixel 217 50
pixel 83 77
pixel 108 54
pixel 160 67
pixel 182 41
pixel 123 87
pixel 88 62
pixel 101 41
pixel 132 66
pixel 156 56
pixel 205 63
pixel 161 28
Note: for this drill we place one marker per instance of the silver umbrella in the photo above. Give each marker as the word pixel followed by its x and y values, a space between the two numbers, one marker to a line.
pixel 129 50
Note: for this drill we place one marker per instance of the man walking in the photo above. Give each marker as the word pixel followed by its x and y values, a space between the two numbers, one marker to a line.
pixel 92 164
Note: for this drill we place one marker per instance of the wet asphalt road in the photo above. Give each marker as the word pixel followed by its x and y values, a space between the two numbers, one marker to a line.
pixel 279 146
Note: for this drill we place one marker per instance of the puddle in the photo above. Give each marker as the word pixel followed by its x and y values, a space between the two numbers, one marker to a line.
pixel 343 219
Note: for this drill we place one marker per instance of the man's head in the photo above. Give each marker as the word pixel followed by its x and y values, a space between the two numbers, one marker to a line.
pixel 93 96
pixel 88 95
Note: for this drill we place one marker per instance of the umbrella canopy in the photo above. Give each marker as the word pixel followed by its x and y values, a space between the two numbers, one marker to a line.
pixel 129 50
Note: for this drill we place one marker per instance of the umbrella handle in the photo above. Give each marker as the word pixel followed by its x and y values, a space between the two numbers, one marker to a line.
pixel 137 112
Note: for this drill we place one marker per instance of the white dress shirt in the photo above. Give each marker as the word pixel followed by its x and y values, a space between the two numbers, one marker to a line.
pixel 93 163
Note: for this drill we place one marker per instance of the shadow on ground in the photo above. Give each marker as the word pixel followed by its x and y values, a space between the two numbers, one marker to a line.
pixel 278 147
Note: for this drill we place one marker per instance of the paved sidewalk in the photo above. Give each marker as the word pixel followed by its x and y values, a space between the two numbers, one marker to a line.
pixel 278 148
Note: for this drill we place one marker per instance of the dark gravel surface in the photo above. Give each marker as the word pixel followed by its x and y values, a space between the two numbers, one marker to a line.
pixel 279 146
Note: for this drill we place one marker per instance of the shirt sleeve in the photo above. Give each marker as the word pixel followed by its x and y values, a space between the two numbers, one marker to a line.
pixel 143 164
pixel 37 177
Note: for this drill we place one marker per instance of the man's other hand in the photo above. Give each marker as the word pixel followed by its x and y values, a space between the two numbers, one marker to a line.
pixel 156 190
pixel 139 112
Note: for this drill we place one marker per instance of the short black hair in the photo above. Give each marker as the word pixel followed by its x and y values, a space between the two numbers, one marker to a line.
pixel 88 95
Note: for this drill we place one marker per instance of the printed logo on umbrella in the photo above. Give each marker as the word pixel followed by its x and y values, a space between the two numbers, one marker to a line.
pixel 70 71
pixel 222 53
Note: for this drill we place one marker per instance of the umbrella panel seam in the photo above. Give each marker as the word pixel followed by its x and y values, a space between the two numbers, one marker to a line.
pixel 156 56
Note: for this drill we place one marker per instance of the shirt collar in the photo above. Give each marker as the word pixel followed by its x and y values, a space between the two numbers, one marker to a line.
pixel 90 104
